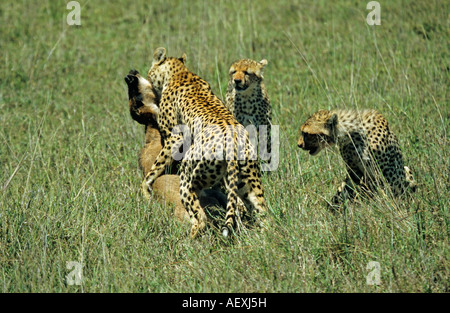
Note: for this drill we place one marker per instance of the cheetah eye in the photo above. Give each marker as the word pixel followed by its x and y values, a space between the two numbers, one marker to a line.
pixel 246 73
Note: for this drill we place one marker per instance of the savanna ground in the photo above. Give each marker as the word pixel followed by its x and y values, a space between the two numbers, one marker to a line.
pixel 70 183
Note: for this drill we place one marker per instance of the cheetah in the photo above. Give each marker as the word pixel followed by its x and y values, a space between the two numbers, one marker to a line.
pixel 367 146
pixel 143 109
pixel 249 102
pixel 221 149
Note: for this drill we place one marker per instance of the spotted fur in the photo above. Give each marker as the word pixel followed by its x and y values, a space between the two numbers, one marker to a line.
pixel 143 106
pixel 367 145
pixel 247 98
pixel 221 150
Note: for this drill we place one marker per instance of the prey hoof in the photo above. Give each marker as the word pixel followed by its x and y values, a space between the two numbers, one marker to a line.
pixel 133 72
pixel 131 78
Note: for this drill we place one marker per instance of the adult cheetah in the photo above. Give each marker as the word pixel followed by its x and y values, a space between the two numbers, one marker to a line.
pixel 367 145
pixel 143 107
pixel 221 146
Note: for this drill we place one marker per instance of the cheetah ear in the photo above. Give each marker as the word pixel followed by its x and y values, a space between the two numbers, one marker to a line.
pixel 260 69
pixel 332 121
pixel 263 63
pixel 159 55
pixel 183 58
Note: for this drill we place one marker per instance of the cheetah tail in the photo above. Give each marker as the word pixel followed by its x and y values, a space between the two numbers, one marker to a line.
pixel 232 198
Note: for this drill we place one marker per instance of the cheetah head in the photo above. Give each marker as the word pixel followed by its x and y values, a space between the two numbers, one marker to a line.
pixel 164 68
pixel 246 73
pixel 318 132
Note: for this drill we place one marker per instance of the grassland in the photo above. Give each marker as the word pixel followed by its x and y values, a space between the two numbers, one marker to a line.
pixel 70 180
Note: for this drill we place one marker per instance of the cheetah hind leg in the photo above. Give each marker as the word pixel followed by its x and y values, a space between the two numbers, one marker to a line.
pixel 251 193
pixel 196 213
pixel 237 195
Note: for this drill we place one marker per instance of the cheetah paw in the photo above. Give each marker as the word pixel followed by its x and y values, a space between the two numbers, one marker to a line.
pixel 146 190
pixel 194 231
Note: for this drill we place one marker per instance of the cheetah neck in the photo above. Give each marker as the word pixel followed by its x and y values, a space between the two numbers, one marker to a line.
pixel 348 123
pixel 246 99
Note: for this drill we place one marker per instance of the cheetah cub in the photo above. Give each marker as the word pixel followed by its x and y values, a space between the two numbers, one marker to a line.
pixel 247 99
pixel 367 145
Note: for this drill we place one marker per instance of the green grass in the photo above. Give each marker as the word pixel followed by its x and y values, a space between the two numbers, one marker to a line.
pixel 70 180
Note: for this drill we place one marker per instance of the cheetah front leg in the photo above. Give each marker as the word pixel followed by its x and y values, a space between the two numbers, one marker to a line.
pixel 164 158
pixel 346 191
pixel 409 176
pixel 348 188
